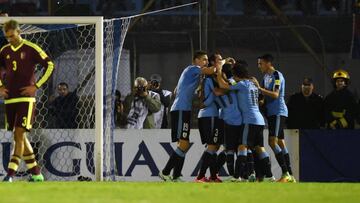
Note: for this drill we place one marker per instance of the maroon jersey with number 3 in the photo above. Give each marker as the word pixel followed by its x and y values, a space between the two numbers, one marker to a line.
pixel 19 63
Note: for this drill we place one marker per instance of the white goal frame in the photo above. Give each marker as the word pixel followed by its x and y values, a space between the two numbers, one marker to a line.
pixel 99 125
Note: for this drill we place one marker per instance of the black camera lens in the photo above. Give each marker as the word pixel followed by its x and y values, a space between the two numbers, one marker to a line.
pixel 141 89
pixel 154 83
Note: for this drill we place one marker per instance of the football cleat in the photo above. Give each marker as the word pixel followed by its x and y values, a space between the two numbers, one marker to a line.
pixel 285 178
pixel 215 179
pixel 201 180
pixel 252 177
pixel 177 180
pixel 232 180
pixel 292 179
pixel 243 180
pixel 36 178
pixel 8 179
pixel 269 179
pixel 165 178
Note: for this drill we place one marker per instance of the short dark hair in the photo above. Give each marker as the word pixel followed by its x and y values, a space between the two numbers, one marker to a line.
pixel 240 69
pixel 64 84
pixel 11 25
pixel 212 58
pixel 307 81
pixel 227 69
pixel 267 58
pixel 198 54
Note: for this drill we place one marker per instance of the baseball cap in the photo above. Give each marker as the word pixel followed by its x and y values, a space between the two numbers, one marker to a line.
pixel 155 77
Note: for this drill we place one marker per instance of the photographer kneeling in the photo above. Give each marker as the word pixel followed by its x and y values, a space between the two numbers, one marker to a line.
pixel 140 105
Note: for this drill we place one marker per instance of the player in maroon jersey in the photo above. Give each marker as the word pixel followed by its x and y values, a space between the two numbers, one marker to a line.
pixel 19 58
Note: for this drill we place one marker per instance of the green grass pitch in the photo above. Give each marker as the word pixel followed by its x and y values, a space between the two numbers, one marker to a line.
pixel 109 192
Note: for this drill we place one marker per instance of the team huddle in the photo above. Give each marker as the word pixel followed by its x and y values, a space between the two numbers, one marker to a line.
pixel 230 116
pixel 230 113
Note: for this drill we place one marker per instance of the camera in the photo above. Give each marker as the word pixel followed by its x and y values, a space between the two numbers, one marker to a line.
pixel 140 89
pixel 154 84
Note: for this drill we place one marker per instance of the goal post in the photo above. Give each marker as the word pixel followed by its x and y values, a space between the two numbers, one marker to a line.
pixel 99 75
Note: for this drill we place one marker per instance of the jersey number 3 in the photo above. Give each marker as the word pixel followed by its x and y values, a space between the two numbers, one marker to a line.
pixel 24 122
pixel 14 65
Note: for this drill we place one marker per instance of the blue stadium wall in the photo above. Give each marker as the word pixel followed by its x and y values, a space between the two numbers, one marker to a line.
pixel 329 155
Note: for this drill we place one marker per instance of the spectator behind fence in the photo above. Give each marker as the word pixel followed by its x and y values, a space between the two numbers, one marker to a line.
pixel 64 107
pixel 140 105
pixel 340 105
pixel 160 117
pixel 306 108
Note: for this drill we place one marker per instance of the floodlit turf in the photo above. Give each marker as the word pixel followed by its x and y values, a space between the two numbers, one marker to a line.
pixel 109 192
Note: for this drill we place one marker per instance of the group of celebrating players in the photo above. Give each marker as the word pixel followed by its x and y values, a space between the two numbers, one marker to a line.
pixel 230 116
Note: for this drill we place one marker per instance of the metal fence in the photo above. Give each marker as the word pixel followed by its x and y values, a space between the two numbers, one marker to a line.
pixel 164 44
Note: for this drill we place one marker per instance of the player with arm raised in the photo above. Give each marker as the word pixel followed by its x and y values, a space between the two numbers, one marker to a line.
pixel 181 113
pixel 18 88
pixel 210 125
pixel 232 117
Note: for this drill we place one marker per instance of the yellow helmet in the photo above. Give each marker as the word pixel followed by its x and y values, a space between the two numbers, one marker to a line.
pixel 341 74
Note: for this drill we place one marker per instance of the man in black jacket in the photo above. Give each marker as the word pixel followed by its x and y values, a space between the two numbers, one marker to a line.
pixel 306 109
pixel 65 107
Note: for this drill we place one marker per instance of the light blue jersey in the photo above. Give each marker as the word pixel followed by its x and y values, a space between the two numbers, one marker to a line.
pixel 210 109
pixel 247 100
pixel 185 89
pixel 275 106
pixel 230 113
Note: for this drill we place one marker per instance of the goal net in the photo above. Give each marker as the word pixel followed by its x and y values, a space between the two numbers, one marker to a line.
pixel 72 135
